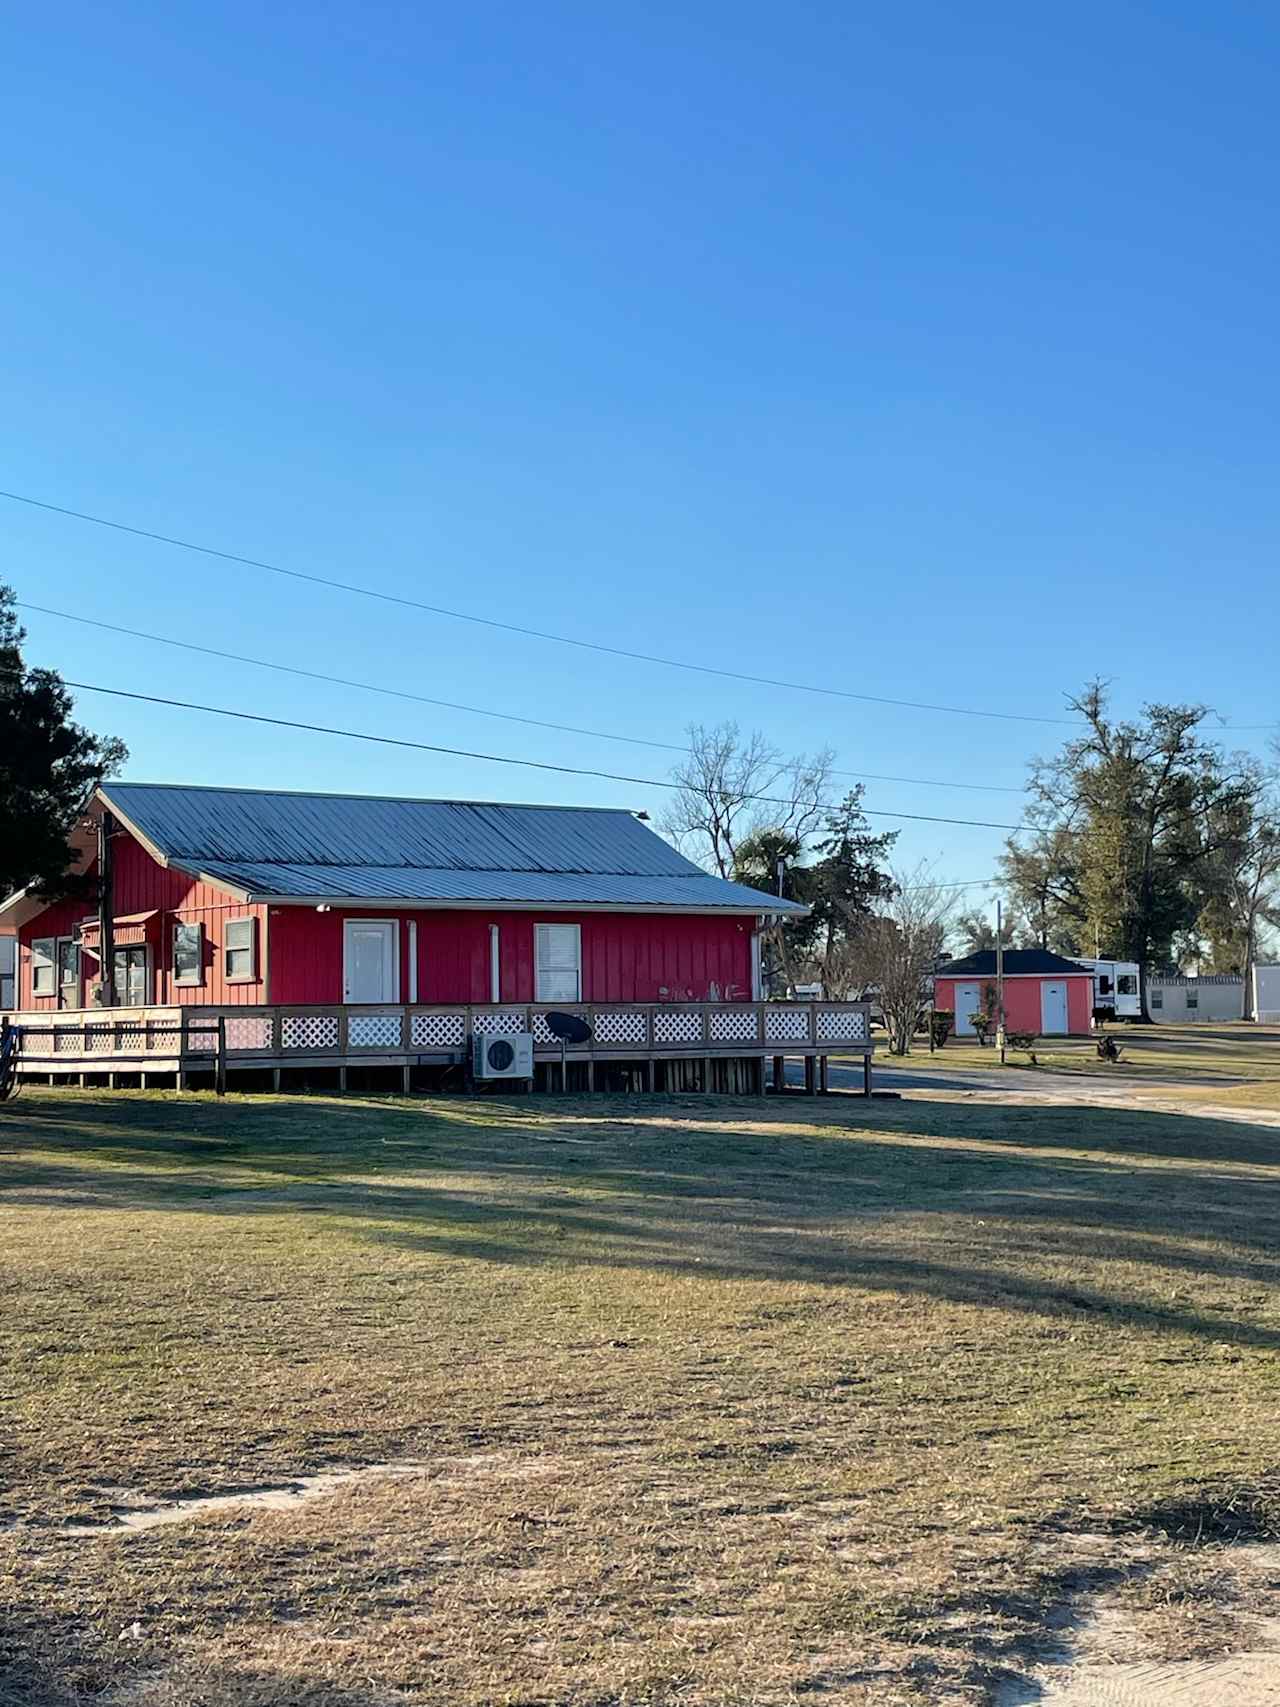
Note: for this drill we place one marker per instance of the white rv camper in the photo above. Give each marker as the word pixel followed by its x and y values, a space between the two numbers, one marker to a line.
pixel 1115 986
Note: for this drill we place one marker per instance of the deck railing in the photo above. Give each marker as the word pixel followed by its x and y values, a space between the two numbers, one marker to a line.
pixel 281 1034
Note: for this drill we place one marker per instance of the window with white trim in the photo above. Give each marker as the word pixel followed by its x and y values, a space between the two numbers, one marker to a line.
pixel 558 958
pixel 1157 998
pixel 188 953
pixel 1193 998
pixel 43 968
pixel 240 950
pixel 68 972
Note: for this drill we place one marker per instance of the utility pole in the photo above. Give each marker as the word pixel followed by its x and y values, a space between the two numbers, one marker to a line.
pixel 1000 979
pixel 106 920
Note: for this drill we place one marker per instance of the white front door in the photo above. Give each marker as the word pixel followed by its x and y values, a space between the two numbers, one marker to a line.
pixel 968 1001
pixel 1053 1008
pixel 370 970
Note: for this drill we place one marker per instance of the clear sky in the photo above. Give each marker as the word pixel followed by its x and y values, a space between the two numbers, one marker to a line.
pixel 924 351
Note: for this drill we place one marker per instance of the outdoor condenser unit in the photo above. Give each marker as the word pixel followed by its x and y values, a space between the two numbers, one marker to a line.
pixel 502 1055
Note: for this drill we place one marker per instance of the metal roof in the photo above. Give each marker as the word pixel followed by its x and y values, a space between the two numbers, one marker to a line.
pixel 348 847
pixel 1018 963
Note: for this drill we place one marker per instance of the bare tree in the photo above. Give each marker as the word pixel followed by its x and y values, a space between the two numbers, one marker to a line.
pixel 900 947
pixel 732 788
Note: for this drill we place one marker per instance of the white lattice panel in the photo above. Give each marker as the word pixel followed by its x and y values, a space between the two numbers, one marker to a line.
pixel 36 1044
pixel 67 1041
pixel 249 1031
pixel 102 1039
pixel 839 1025
pixel 309 1031
pixel 677 1028
pixel 786 1025
pixel 132 1038
pixel 202 1038
pixel 438 1031
pixel 501 1019
pixel 733 1025
pixel 623 1028
pixel 374 1031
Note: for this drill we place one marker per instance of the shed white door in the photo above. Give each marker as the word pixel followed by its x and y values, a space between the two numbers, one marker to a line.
pixel 369 970
pixel 1053 1008
pixel 968 1001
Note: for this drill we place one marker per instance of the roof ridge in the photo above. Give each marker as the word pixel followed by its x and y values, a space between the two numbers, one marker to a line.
pixel 379 799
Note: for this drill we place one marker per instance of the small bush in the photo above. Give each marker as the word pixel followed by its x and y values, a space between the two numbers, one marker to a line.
pixel 981 1024
pixel 941 1023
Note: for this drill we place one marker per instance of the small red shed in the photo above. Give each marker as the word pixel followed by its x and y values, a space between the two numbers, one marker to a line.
pixel 1044 993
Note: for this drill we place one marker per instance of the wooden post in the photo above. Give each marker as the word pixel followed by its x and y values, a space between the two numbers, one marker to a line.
pixel 406 1078
pixel 779 1074
pixel 220 1068
pixel 810 1076
pixel 823 1085
pixel 866 1074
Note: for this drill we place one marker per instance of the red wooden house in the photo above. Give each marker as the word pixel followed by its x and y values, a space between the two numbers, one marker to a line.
pixel 337 922
pixel 1044 993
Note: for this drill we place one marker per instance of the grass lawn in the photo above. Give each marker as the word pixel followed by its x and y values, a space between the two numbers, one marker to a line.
pixel 697 1401
pixel 1211 1055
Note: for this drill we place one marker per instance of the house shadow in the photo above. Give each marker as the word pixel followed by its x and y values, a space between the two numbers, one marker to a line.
pixel 701 1187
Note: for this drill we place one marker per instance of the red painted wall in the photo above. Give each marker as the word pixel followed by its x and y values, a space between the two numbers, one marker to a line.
pixel 1022 1000
pixel 139 885
pixel 626 957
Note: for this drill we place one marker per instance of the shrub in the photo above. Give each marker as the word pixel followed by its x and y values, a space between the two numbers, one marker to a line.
pixel 941 1023
pixel 981 1023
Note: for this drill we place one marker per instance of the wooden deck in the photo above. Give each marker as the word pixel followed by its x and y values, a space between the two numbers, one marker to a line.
pixel 193 1043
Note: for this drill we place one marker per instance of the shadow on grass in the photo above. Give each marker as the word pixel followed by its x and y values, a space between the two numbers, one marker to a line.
pixel 1005 1199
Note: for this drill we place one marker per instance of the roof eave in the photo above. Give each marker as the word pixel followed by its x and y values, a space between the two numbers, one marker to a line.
pixel 375 903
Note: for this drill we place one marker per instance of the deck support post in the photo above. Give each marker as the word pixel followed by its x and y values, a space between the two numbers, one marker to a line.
pixel 275 1079
pixel 823 1083
pixel 866 1074
pixel 406 1078
pixel 591 1074
pixel 779 1074
pixel 810 1076
pixel 342 1079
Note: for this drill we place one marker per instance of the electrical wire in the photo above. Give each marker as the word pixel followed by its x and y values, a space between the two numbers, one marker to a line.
pixel 525 632
pixel 454 705
pixel 496 758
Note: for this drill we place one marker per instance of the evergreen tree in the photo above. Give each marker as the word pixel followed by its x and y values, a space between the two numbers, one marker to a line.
pixel 49 767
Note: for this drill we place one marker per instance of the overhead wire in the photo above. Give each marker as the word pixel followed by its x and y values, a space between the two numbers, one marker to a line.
pixel 521 629
pixel 499 758
pixel 454 705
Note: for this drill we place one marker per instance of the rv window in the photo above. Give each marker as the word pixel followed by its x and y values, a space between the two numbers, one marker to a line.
pixel 1193 998
pixel 1157 998
pixel 1127 984
pixel 1104 984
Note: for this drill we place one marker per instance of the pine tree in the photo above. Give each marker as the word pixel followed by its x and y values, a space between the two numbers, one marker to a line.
pixel 49 767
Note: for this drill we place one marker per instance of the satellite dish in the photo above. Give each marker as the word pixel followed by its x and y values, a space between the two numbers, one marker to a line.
pixel 568 1028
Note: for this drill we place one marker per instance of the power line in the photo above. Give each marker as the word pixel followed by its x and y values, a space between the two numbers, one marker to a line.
pixel 558 639
pixel 495 758
pixel 454 705
pixel 528 633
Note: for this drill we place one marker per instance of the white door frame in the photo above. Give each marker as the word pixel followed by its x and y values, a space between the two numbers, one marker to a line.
pixel 963 1027
pixel 392 929
pixel 1055 984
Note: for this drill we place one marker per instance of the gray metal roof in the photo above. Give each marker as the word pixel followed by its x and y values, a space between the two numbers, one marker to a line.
pixel 353 847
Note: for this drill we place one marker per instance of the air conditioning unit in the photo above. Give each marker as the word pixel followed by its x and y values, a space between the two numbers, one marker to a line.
pixel 502 1055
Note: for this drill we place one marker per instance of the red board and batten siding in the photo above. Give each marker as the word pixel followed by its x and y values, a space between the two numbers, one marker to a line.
pixel 626 957
pixel 140 885
pixel 1022 1000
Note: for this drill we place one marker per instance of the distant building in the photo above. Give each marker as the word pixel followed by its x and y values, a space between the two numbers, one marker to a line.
pixel 1181 1001
pixel 1043 993
pixel 1266 995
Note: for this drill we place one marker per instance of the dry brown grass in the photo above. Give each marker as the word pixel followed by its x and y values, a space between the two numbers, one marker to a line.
pixel 712 1402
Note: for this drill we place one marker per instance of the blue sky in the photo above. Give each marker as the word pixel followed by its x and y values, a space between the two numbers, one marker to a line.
pixel 929 352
